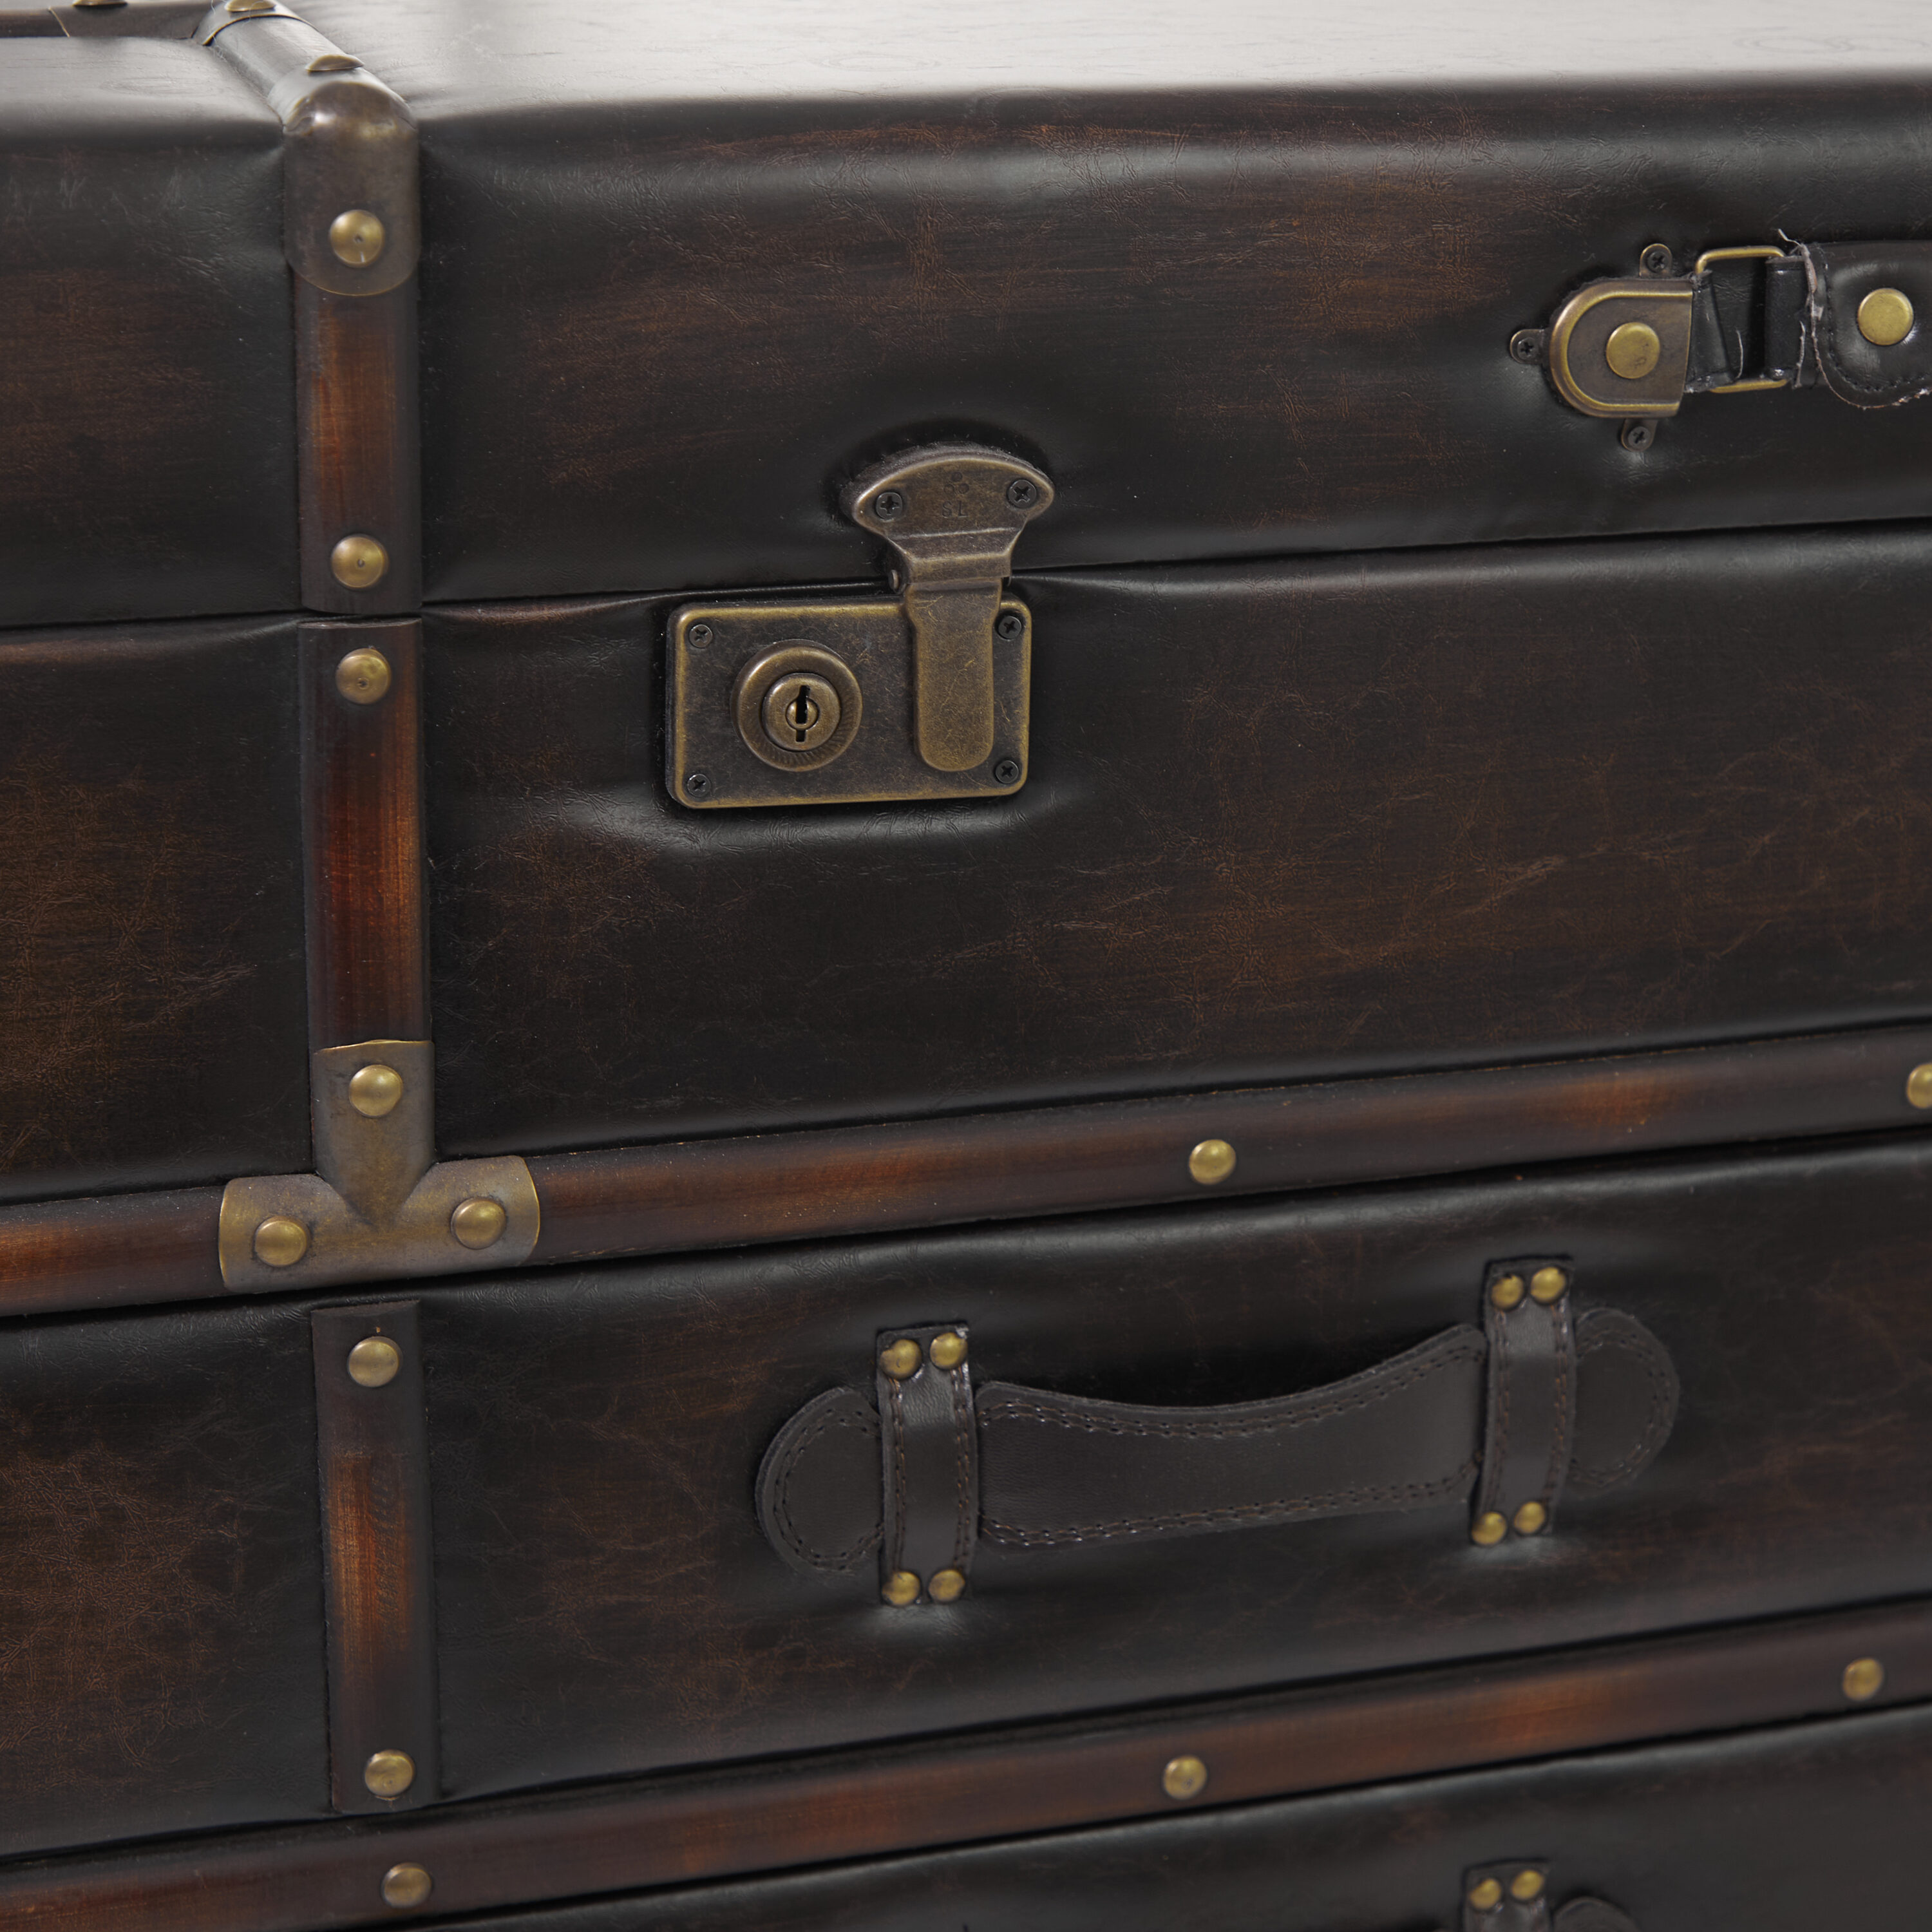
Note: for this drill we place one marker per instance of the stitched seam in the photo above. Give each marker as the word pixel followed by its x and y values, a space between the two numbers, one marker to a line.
pixel 1287 1507
pixel 1607 1474
pixel 962 1424
pixel 819 1559
pixel 1023 1408
pixel 1918 384
pixel 897 1403
pixel 1496 1482
pixel 1558 1465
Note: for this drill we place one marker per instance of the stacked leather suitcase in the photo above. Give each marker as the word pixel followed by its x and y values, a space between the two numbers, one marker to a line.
pixel 963 969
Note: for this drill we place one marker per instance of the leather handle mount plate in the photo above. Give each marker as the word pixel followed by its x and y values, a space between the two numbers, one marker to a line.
pixel 1538 1402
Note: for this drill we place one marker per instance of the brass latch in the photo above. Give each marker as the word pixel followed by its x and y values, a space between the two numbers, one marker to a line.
pixel 863 700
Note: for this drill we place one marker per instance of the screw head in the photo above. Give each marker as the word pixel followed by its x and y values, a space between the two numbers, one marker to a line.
pixel 1009 626
pixel 1864 1679
pixel 374 1091
pixel 1655 260
pixel 1529 1518
pixel 389 1774
pixel 363 676
pixel 943 1586
pixel 1022 493
pixel 1547 1285
pixel 478 1221
pixel 280 1242
pixel 1526 345
pixel 1007 771
pixel 1489 1529
pixel 698 783
pixel 405 1887
pixel 1638 436
pixel 374 1362
pixel 1183 1777
pixel 1211 1162
pixel 900 1588
pixel 889 505
pixel 357 237
pixel 899 1360
pixel 698 634
pixel 947 1351
pixel 358 562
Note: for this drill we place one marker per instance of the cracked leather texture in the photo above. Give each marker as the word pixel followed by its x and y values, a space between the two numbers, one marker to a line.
pixel 1284 821
pixel 147 358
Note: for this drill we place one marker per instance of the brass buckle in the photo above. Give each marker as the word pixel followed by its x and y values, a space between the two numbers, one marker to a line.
pixel 1758 251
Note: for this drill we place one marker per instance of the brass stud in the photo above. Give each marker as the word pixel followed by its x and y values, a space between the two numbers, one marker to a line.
pixel 280 1242
pixel 357 237
pixel 900 1360
pixel 947 1351
pixel 1885 317
pixel 1487 1895
pixel 389 1774
pixel 359 561
pixel 943 1585
pixel 1529 1518
pixel 1547 1285
pixel 1491 1527
pixel 1211 1162
pixel 901 1587
pixel 405 1886
pixel 374 1362
pixel 1183 1777
pixel 374 1090
pixel 363 676
pixel 1864 1679
pixel 1506 1291
pixel 478 1221
pixel 1633 350
pixel 1918 1085
pixel 1526 1885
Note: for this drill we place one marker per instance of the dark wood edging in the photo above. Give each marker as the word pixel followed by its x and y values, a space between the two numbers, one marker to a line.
pixel 120 1249
pixel 677 1829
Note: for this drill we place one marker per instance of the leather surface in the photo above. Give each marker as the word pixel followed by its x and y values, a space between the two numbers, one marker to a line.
pixel 146 340
pixel 1529 1410
pixel 1855 369
pixel 928 1475
pixel 152 961
pixel 1284 821
pixel 1784 1829
pixel 1238 290
pixel 607 1602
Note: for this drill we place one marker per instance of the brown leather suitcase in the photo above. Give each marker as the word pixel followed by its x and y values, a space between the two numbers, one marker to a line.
pixel 962 965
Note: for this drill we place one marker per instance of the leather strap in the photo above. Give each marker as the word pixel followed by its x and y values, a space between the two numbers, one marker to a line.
pixel 1590 1404
pixel 1529 1417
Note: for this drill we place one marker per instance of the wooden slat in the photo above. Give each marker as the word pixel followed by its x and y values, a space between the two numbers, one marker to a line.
pixel 816 1811
pixel 110 1250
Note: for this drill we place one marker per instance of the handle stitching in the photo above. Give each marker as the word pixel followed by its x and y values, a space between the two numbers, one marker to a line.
pixel 819 1559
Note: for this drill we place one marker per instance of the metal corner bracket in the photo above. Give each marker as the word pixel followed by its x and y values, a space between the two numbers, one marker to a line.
pixel 381 1206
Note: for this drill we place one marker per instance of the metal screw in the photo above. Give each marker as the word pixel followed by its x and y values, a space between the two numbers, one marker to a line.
pixel 359 561
pixel 698 783
pixel 357 237
pixel 363 676
pixel 1526 345
pixel 1022 493
pixel 888 506
pixel 1009 625
pixel 1007 771
pixel 698 634
pixel 1655 260
pixel 1638 435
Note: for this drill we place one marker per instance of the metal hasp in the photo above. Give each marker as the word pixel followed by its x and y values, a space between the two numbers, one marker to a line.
pixel 952 514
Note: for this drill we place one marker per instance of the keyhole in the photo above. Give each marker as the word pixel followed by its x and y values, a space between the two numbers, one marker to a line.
pixel 803 713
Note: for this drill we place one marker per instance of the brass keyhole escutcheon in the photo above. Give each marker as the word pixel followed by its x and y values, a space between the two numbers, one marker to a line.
pixel 800 712
pixel 797 705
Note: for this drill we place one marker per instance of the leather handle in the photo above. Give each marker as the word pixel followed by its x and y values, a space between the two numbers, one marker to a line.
pixel 1585 1405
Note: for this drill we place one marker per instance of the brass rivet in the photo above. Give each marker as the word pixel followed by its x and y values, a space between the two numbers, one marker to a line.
pixel 1526 1885
pixel 900 1360
pixel 1632 350
pixel 1547 1285
pixel 943 1586
pixel 250 7
pixel 333 64
pixel 947 1351
pixel 1211 1162
pixel 1918 1085
pixel 1529 1518
pixel 357 236
pixel 389 1774
pixel 404 1886
pixel 1486 1896
pixel 280 1242
pixel 901 1587
pixel 359 561
pixel 1506 1291
pixel 374 1090
pixel 1183 1777
pixel 478 1221
pixel 1864 1677
pixel 363 676
pixel 1490 1527
pixel 1884 317
pixel 374 1361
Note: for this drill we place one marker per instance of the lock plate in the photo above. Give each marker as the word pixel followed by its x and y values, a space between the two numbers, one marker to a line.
pixel 709 764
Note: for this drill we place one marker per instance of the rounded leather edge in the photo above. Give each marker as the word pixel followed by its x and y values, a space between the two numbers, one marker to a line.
pixel 1593 1914
pixel 818 1495
pixel 1625 1411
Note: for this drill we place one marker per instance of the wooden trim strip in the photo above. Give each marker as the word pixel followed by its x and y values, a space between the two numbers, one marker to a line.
pixel 373 1464
pixel 1059 1160
pixel 110 1251
pixel 818 1810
